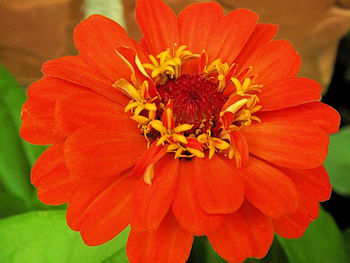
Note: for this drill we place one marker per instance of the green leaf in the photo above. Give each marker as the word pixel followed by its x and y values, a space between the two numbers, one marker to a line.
pixel 212 256
pixel 275 255
pixel 203 252
pixel 10 205
pixel 16 155
pixel 118 257
pixel 346 234
pixel 14 167
pixel 13 96
pixel 322 242
pixel 338 161
pixel 43 237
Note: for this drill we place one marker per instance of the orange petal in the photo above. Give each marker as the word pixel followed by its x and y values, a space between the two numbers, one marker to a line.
pixel 152 155
pixel 313 183
pixel 38 113
pixel 196 23
pixel 262 34
pixel 35 130
pixel 169 243
pixel 152 202
pixel 299 145
pixel 227 44
pixel 274 61
pixel 96 39
pixel 289 93
pixel 43 94
pixel 316 113
pixel 87 191
pixel 78 109
pixel 95 152
pixel 268 189
pixel 186 207
pixel 292 226
pixel 109 212
pixel 75 69
pixel 246 233
pixel 241 150
pixel 313 186
pixel 219 190
pixel 158 24
pixel 51 176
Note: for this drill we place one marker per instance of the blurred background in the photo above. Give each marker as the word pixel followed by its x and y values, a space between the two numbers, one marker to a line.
pixel 33 31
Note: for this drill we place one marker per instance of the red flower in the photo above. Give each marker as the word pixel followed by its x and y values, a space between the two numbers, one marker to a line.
pixel 202 129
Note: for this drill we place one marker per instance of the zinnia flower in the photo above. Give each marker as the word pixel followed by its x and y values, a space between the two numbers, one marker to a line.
pixel 202 128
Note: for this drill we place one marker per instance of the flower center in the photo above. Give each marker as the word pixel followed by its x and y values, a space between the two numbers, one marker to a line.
pixel 190 115
pixel 196 101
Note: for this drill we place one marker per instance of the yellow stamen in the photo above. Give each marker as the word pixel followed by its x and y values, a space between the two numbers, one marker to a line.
pixel 129 89
pixel 149 174
pixel 158 126
pixel 183 127
pixel 195 152
pixel 220 144
pixel 131 105
pixel 178 153
pixel 237 105
pixel 172 147
pixel 168 63
pixel 219 68
pixel 162 139
pixel 179 138
pixel 140 119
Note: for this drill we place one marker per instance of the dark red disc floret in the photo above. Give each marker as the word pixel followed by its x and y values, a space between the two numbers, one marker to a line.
pixel 196 100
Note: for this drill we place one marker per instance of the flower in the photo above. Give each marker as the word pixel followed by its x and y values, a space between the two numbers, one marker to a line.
pixel 202 128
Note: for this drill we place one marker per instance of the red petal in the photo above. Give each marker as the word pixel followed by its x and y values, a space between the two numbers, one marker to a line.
pixel 246 233
pixel 299 145
pixel 158 24
pixel 313 186
pixel 75 69
pixel 97 39
pixel 43 94
pixel 109 212
pixel 240 144
pixel 262 34
pixel 96 152
pixel 87 191
pixel 227 44
pixel 268 189
pixel 152 202
pixel 274 61
pixel 35 130
pixel 196 23
pixel 289 93
pixel 169 243
pixel 78 109
pixel 292 226
pixel 218 188
pixel 152 155
pixel 316 113
pixel 38 113
pixel 186 207
pixel 51 176
pixel 314 183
